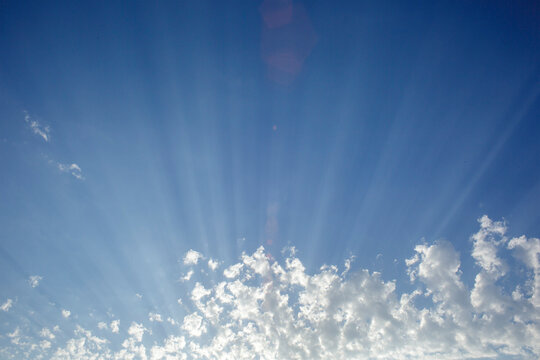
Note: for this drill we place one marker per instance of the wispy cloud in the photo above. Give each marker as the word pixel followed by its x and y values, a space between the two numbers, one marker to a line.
pixel 46 333
pixel 187 276
pixel 44 133
pixel 37 128
pixel 72 169
pixel 34 280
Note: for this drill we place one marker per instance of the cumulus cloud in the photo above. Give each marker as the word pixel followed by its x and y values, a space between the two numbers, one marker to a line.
pixel 171 349
pixel 37 128
pixel 44 344
pixel 115 326
pixel 233 271
pixel 7 305
pixel 66 313
pixel 193 325
pixel 192 257
pixel 154 317
pixel 213 264
pixel 34 280
pixel 136 331
pixel 264 309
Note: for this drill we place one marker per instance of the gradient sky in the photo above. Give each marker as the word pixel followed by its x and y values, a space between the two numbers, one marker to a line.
pixel 131 132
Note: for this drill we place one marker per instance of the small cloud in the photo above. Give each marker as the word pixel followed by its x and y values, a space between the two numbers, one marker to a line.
pixel 136 331
pixel 102 326
pixel 187 276
pixel 37 128
pixel 72 169
pixel 139 296
pixel 192 257
pixel 7 305
pixel 15 336
pixel 154 317
pixel 44 344
pixel 291 250
pixel 46 333
pixel 66 313
pixel 34 280
pixel 171 321
pixel 213 264
pixel 348 264
pixel 179 301
pixel 240 240
pixel 115 326
pixel 233 271
pixel 193 324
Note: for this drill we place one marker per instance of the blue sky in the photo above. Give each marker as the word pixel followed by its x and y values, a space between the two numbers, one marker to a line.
pixel 132 133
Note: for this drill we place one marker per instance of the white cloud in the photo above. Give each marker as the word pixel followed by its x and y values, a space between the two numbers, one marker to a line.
pixel 83 346
pixel 154 317
pixel 15 336
pixel 171 349
pixel 264 309
pixel 115 326
pixel 66 313
pixel 213 264
pixel 44 133
pixel 34 280
pixel 233 271
pixel 193 325
pixel 102 325
pixel 44 344
pixel 46 333
pixel 72 169
pixel 192 257
pixel 37 128
pixel 7 305
pixel 136 331
pixel 486 243
pixel 186 277
pixel 528 251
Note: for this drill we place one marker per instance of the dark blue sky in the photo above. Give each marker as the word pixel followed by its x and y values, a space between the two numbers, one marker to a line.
pixel 357 128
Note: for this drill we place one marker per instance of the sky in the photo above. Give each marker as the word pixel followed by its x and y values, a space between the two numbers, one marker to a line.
pixel 270 179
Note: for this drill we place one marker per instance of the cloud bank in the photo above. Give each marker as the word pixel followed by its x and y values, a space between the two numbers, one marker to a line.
pixel 263 309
